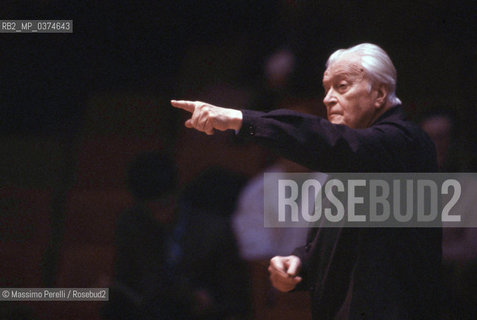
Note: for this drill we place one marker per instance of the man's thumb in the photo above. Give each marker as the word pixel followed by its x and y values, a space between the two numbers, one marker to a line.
pixel 188 123
pixel 293 267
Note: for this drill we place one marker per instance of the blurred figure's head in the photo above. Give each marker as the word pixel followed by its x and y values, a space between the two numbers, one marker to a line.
pixel 279 67
pixel 151 176
pixel 439 127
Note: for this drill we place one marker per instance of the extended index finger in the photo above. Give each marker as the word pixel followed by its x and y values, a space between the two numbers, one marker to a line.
pixel 184 104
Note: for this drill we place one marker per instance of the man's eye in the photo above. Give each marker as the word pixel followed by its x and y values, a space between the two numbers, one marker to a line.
pixel 342 86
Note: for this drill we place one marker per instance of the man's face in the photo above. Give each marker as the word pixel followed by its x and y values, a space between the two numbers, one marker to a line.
pixel 348 99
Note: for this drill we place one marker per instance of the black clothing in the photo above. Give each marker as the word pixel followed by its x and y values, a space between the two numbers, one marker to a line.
pixel 367 273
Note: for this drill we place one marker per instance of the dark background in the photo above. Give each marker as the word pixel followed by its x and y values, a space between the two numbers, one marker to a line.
pixel 47 79
pixel 76 108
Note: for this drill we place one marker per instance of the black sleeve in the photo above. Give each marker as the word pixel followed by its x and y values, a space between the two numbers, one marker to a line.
pixel 320 145
pixel 300 252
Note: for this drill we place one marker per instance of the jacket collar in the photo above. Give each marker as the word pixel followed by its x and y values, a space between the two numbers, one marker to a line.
pixel 394 113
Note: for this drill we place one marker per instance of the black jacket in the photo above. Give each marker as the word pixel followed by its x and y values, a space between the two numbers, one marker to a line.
pixel 353 273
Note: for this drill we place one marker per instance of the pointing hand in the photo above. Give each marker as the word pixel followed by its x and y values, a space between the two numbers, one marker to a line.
pixel 206 117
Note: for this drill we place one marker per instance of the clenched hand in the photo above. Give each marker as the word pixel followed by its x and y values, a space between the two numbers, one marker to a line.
pixel 284 272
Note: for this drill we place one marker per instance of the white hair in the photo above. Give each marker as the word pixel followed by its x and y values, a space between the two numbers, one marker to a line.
pixel 377 65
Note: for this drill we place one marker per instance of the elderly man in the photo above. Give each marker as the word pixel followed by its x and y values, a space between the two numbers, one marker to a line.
pixel 351 273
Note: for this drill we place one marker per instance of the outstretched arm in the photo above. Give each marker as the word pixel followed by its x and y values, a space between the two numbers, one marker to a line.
pixel 312 141
pixel 206 117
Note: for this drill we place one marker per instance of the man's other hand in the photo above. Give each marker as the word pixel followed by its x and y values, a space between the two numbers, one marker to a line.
pixel 206 117
pixel 284 272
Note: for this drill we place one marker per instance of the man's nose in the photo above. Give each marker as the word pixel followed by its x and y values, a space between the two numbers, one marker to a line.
pixel 329 98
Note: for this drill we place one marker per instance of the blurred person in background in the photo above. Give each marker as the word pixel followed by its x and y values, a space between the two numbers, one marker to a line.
pixel 439 126
pixel 175 254
pixel 459 245
pixel 255 241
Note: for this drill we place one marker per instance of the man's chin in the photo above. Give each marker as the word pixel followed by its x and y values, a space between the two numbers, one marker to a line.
pixel 336 119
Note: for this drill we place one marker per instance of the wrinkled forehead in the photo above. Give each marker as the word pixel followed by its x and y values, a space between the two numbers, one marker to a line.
pixel 348 66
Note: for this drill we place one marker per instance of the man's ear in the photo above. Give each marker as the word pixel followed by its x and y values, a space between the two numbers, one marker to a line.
pixel 381 96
